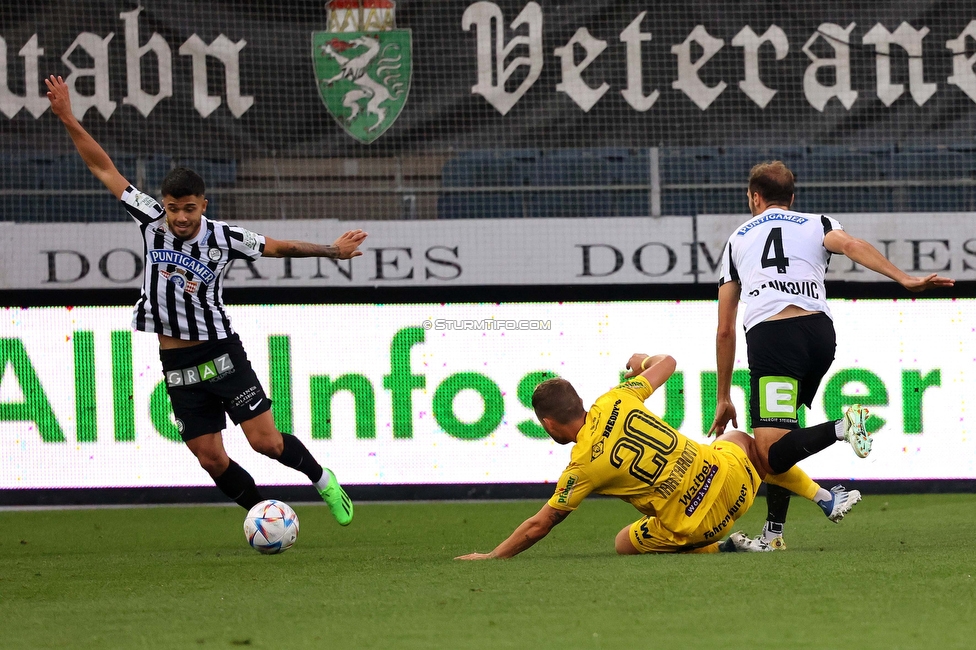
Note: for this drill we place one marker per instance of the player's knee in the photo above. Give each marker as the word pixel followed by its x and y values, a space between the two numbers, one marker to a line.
pixel 270 444
pixel 213 463
pixel 622 543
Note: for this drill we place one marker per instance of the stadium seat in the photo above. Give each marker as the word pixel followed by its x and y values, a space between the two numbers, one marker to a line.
pixel 480 205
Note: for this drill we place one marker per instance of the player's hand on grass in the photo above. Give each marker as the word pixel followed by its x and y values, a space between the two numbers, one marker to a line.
pixel 348 244
pixel 634 365
pixel 58 95
pixel 475 556
pixel 931 281
pixel 724 411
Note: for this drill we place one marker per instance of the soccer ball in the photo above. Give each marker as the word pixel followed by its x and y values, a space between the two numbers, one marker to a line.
pixel 271 527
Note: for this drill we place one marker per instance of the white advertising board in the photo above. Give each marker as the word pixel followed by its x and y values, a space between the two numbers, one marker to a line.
pixel 438 394
pixel 479 252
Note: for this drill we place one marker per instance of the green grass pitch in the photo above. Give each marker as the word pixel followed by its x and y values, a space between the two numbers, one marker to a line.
pixel 897 573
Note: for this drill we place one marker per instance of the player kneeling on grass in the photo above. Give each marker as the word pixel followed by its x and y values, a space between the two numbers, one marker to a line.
pixel 689 494
pixel 206 369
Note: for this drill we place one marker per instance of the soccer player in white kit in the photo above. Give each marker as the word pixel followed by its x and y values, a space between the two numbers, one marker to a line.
pixel 776 264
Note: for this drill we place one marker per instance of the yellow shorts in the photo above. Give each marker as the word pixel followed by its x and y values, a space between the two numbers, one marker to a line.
pixel 736 497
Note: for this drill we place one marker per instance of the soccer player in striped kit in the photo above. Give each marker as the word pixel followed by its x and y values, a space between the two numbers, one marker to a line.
pixel 206 369
pixel 776 264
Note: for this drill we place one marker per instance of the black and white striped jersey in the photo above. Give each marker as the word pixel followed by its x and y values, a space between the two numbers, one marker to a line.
pixel 181 292
pixel 778 258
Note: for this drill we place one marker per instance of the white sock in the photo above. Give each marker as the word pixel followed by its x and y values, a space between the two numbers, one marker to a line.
pixel 822 496
pixel 770 535
pixel 323 482
pixel 839 429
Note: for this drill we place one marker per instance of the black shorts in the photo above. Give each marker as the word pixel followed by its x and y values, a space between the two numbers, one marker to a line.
pixel 207 380
pixel 787 360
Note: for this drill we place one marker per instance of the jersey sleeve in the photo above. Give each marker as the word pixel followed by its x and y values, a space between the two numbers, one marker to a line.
pixel 638 386
pixel 140 206
pixel 573 486
pixel 829 223
pixel 729 272
pixel 244 244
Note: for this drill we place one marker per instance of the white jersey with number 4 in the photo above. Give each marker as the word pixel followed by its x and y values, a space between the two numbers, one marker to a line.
pixel 778 258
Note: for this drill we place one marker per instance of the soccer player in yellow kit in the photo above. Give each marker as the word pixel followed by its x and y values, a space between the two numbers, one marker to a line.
pixel 689 494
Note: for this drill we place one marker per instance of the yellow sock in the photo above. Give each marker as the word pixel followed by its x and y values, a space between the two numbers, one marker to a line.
pixel 795 480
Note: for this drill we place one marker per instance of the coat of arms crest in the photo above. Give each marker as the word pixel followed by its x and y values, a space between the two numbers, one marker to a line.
pixel 363 66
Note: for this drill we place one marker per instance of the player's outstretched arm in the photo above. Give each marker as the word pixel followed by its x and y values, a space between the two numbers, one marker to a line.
pixel 91 152
pixel 728 306
pixel 344 248
pixel 656 370
pixel 860 251
pixel 531 531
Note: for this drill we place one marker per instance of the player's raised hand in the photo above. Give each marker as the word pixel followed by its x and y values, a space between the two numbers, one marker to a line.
pixel 58 95
pixel 931 281
pixel 634 365
pixel 724 411
pixel 348 244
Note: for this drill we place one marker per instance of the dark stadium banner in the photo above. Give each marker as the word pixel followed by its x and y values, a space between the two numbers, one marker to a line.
pixel 226 79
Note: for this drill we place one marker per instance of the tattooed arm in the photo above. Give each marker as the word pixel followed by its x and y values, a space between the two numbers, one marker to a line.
pixel 531 531
pixel 344 248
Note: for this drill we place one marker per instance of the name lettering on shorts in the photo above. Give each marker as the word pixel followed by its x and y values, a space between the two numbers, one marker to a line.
pixel 212 369
pixel 693 497
pixel 730 515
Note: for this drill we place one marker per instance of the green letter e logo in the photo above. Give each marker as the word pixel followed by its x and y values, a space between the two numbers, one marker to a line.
pixel 777 398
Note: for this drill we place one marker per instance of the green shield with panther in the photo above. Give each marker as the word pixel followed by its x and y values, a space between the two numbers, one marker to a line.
pixel 363 78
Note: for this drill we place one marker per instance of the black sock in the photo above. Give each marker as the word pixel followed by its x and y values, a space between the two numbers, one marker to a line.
pixel 799 444
pixel 777 505
pixel 296 456
pixel 237 484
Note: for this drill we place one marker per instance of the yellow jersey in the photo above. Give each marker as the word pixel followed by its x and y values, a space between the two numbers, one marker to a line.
pixel 624 450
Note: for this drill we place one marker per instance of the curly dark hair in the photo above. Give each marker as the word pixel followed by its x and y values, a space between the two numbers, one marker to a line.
pixel 182 182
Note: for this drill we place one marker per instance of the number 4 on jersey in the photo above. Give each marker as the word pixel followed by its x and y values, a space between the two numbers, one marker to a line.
pixel 778 259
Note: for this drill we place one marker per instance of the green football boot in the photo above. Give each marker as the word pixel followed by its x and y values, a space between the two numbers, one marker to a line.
pixel 339 502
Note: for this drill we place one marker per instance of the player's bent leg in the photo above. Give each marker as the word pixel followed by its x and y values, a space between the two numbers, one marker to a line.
pixel 739 542
pixel 777 498
pixel 799 444
pixel 748 444
pixel 765 438
pixel 648 535
pixel 288 450
pixel 263 435
pixel 210 453
pixel 735 497
pixel 835 503
pixel 232 479
pixel 622 543
pixel 796 481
